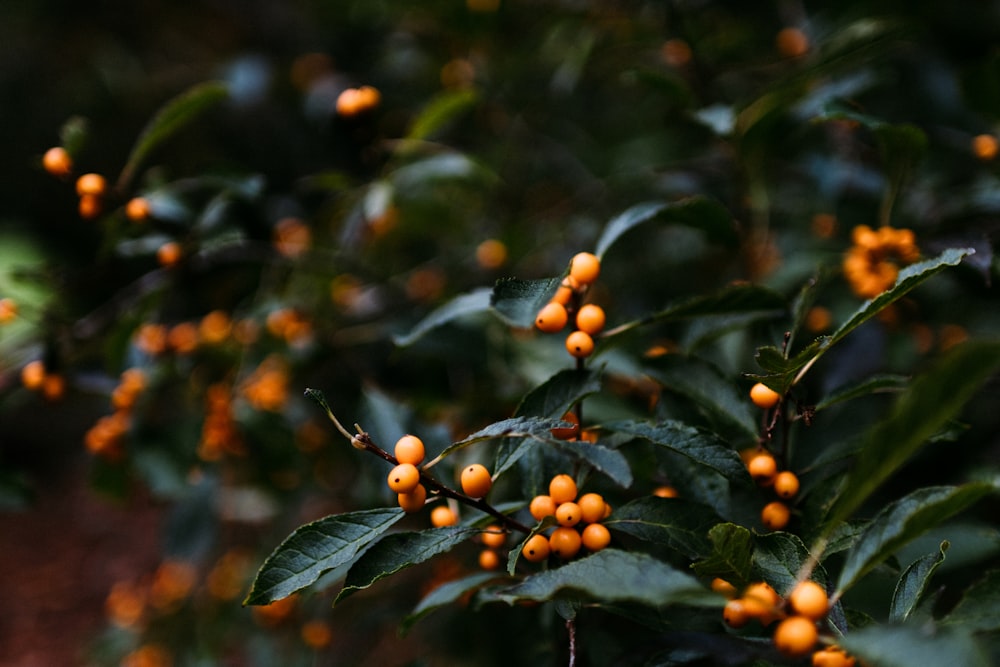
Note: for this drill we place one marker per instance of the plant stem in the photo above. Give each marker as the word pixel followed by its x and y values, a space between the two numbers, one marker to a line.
pixel 571 628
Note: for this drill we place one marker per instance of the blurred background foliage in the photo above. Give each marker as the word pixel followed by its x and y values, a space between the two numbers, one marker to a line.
pixel 527 123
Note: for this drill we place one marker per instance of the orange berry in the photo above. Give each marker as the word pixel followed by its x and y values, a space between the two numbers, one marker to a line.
pixel 570 432
pixel 8 310
pixel 404 478
pixel 348 103
pixel 723 587
pixel 565 542
pixel 595 537
pixel 562 295
pixel 53 386
pixel 409 449
pixel 568 514
pixel 536 549
pixel 985 147
pixel 762 602
pixel 541 507
pixel 592 507
pixel 735 613
pixel 494 536
pixel 368 97
pixel 33 374
pixel 91 184
pixel 832 656
pixel 491 254
pixel 809 599
pixel 476 481
pixel 169 254
pixel 488 559
pixel 580 344
pixel 775 515
pixel 665 492
pixel 414 500
pixel 590 319
pixel 795 636
pixel 316 634
pixel 786 484
pixel 792 42
pixel 551 318
pixel 137 209
pixel 562 489
pixel 442 515
pixel 763 396
pixel 584 268
pixel 763 468
pixel 57 161
pixel 90 207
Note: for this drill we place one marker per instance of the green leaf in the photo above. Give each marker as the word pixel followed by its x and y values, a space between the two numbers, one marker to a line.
pixel 697 211
pixel 674 522
pixel 703 448
pixel 515 428
pixel 705 385
pixel 609 461
pixel 414 178
pixel 909 645
pixel 902 521
pixel 778 558
pixel 441 110
pixel 463 305
pixel 614 576
pixel 446 594
pixel 74 135
pixel 732 554
pixel 316 548
pixel 913 582
pixel 173 116
pixel 398 551
pixel 736 300
pixel 877 384
pixel 932 399
pixel 517 302
pixel 559 393
pixel 978 610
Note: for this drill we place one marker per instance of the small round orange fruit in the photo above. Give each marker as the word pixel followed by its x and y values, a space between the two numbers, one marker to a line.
pixel 584 268
pixel 489 559
pixel 414 500
pixel 592 507
pixel 551 318
pixel 476 481
pixel 786 484
pixel 775 516
pixel 809 599
pixel 562 489
pixel 536 549
pixel 796 636
pixel 494 536
pixel 763 396
pixel 409 449
pixel 595 537
pixel 579 344
pixel 404 478
pixel 735 613
pixel 762 467
pixel 91 184
pixel 590 319
pixel 57 161
pixel 541 507
pixel 568 514
pixel 565 542
pixel 442 515
pixel 137 209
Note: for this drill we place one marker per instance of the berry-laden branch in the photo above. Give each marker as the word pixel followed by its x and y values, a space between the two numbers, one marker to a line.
pixel 363 441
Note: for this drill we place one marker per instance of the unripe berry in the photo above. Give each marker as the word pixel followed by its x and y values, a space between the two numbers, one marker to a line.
pixel 476 480
pixel 409 449
pixel 562 489
pixel 579 344
pixel 494 536
pixel 763 396
pixel 795 636
pixel 592 507
pixel 763 468
pixel 584 268
pixel 568 514
pixel 809 599
pixel 595 537
pixel 590 319
pixel 565 542
pixel 536 549
pixel 775 515
pixel 414 500
pixel 404 478
pixel 442 515
pixel 786 484
pixel 551 318
pixel 541 507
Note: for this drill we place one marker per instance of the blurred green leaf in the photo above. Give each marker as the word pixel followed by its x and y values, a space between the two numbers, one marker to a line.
pixel 674 522
pixel 515 428
pixel 517 302
pixel 463 305
pixel 876 384
pixel 931 400
pixel 559 393
pixel 702 448
pixel 398 551
pixel 318 547
pixel 446 594
pixel 173 116
pixel 978 610
pixel 908 645
pixel 614 576
pixel 904 520
pixel 732 554
pixel 778 558
pixel 609 461
pixel 912 584
pixel 441 110
pixel 697 211
pixel 74 134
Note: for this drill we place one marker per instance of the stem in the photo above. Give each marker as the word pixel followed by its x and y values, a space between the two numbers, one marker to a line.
pixel 571 628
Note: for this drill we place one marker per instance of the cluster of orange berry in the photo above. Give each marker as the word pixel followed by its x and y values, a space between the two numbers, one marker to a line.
pixel 763 468
pixel 105 437
pixel 797 634
pixel 36 377
pixel 565 304
pixel 872 264
pixel 355 101
pixel 570 512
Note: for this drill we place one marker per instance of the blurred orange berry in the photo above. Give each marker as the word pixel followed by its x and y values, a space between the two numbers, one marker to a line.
pixel 792 42
pixel 316 634
pixel 491 254
pixel 91 184
pixel 57 161
pixel 985 147
pixel 8 310
pixel 137 209
pixel 292 237
pixel 90 207
pixel 215 327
